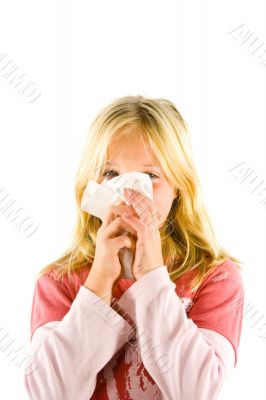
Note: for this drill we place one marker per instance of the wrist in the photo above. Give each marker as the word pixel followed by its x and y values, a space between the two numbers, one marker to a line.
pixel 146 271
pixel 101 276
pixel 99 284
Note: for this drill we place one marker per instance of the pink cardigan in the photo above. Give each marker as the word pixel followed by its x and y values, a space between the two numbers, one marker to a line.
pixel 157 340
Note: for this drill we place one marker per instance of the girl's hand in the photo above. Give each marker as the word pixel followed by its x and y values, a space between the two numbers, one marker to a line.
pixel 110 240
pixel 148 255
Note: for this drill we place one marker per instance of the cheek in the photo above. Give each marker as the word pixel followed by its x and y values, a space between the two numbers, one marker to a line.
pixel 163 199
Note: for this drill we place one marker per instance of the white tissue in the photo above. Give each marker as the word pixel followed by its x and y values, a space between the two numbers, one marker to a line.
pixel 97 197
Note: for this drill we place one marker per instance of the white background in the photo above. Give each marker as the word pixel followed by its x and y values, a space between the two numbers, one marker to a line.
pixel 83 54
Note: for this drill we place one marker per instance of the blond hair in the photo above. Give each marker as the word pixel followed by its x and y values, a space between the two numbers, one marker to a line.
pixel 187 236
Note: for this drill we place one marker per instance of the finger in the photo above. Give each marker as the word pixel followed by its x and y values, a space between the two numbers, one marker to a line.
pixel 109 214
pixel 151 225
pixel 120 242
pixel 117 226
pixel 133 240
pixel 116 210
pixel 137 224
pixel 145 208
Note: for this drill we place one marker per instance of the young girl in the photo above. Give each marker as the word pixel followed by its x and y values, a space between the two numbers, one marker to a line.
pixel 173 331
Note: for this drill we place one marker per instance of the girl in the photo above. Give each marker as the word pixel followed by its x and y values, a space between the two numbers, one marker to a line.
pixel 173 331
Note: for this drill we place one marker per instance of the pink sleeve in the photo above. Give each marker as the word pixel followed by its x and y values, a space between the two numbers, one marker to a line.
pixel 67 359
pixel 184 362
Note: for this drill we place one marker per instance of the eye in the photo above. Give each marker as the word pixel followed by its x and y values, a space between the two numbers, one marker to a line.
pixel 150 173
pixel 106 173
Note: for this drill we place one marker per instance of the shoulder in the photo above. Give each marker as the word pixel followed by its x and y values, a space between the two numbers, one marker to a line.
pixel 222 287
pixel 225 271
pixel 53 297
pixel 53 283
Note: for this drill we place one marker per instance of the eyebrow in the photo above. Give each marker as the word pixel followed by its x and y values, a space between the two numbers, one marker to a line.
pixel 143 165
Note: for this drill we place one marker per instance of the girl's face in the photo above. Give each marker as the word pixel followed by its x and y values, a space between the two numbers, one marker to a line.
pixel 119 162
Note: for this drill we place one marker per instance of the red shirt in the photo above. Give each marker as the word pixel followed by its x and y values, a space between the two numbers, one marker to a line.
pixel 170 318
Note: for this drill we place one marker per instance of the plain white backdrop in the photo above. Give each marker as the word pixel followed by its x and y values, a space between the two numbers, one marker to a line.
pixel 207 57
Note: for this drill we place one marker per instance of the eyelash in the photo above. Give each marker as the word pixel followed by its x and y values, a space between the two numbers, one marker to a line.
pixel 111 170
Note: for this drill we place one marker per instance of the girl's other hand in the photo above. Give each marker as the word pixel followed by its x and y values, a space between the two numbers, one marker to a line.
pixel 148 254
pixel 110 240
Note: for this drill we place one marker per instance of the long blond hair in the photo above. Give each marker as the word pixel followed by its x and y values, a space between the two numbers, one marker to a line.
pixel 187 236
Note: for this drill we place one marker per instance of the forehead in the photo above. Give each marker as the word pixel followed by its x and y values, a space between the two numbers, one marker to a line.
pixel 131 151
